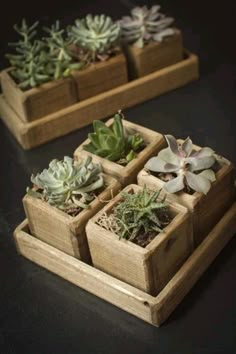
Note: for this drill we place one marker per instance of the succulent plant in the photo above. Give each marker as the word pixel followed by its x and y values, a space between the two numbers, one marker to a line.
pixel 190 168
pixel 98 35
pixel 61 58
pixel 29 60
pixel 137 212
pixel 113 143
pixel 67 185
pixel 145 25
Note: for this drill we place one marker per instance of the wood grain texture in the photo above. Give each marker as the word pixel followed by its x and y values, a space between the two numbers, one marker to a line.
pixel 101 106
pixel 148 269
pixel 154 55
pixel 154 310
pixel 154 142
pixel 61 230
pixel 40 101
pixel 207 209
pixel 101 77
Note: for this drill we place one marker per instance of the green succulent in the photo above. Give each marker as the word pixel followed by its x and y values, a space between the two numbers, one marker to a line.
pixel 145 25
pixel 113 143
pixel 137 212
pixel 191 169
pixel 61 58
pixel 30 57
pixel 68 185
pixel 98 35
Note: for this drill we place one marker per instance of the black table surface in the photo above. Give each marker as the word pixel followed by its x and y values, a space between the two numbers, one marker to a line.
pixel 42 313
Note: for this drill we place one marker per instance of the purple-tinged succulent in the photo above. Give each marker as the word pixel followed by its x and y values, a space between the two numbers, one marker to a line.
pixel 145 25
pixel 189 168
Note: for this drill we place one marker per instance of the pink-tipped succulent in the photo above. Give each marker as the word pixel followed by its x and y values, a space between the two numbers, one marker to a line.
pixel 189 168
pixel 145 25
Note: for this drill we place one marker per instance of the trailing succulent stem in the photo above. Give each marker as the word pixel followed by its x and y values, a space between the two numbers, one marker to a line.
pixel 113 143
pixel 137 213
pixel 97 35
pixel 189 168
pixel 145 25
pixel 67 185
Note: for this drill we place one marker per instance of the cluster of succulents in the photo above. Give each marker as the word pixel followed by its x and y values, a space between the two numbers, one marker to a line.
pixel 145 25
pixel 37 61
pixel 113 143
pixel 67 185
pixel 97 35
pixel 136 213
pixel 188 168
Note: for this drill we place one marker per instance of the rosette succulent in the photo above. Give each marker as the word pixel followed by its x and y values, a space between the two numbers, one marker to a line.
pixel 145 25
pixel 113 143
pixel 67 185
pixel 189 168
pixel 98 35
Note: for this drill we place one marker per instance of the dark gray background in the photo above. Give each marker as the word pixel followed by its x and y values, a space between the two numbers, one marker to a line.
pixel 41 313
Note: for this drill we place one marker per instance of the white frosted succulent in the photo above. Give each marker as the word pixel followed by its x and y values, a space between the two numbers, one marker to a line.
pixel 191 168
pixel 145 25
pixel 66 184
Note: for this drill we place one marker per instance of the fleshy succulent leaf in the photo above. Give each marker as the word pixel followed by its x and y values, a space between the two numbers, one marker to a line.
pixel 187 146
pixel 209 174
pixel 198 183
pixel 175 185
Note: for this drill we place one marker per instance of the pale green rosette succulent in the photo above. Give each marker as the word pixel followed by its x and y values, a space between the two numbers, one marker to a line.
pixel 68 185
pixel 190 168
pixel 98 35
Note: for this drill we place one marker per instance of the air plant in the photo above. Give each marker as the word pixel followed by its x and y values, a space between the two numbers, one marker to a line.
pixel 113 143
pixel 67 185
pixel 97 35
pixel 191 169
pixel 145 25
pixel 30 57
pixel 137 213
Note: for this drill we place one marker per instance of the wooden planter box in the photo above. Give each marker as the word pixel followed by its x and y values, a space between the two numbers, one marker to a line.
pixel 154 310
pixel 154 56
pixel 149 268
pixel 207 209
pixel 61 230
pixel 128 174
pixel 40 101
pixel 101 106
pixel 101 77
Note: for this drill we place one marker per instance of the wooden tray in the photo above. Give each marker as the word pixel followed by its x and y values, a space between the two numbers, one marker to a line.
pixel 101 106
pixel 154 310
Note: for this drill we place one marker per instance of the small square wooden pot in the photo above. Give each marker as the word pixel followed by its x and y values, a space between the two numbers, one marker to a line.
pixel 40 101
pixel 154 56
pixel 101 77
pixel 61 230
pixel 128 174
pixel 149 268
pixel 207 209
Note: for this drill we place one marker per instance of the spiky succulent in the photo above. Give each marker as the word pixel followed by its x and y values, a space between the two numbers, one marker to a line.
pixel 98 35
pixel 137 212
pixel 61 61
pixel 113 143
pixel 145 25
pixel 189 168
pixel 67 185
pixel 29 60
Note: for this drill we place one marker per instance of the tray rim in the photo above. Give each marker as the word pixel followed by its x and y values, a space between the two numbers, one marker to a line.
pixel 82 113
pixel 154 310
